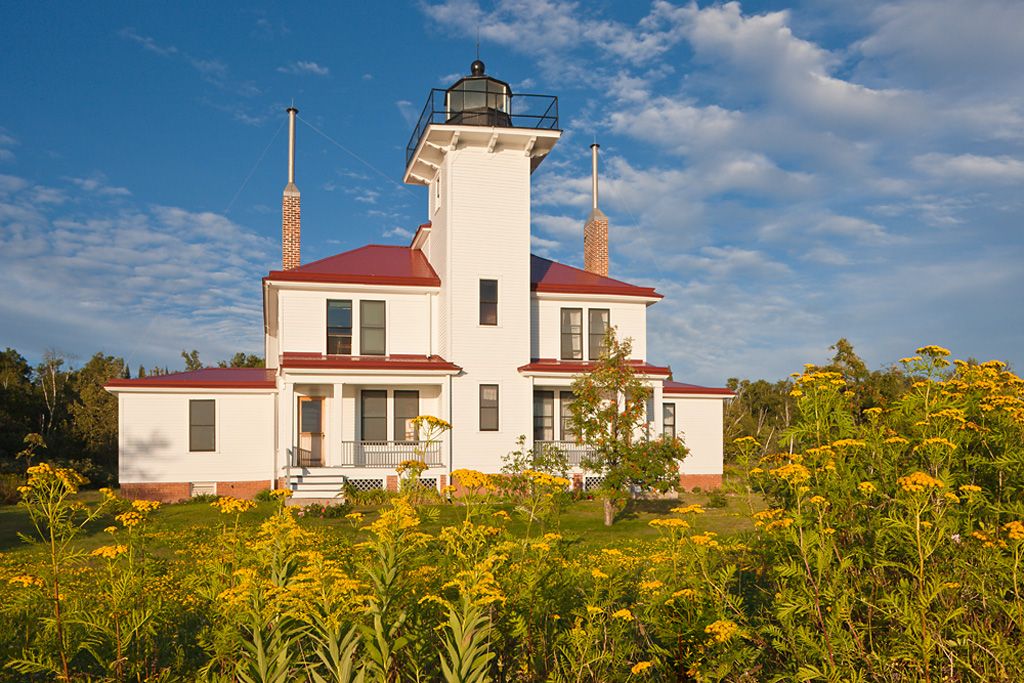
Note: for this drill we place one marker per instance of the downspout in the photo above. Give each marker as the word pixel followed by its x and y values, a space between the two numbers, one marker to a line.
pixel 451 434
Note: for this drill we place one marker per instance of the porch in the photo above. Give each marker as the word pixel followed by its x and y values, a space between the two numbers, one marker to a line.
pixel 371 454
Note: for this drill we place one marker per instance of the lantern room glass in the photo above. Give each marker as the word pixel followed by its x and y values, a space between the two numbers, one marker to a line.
pixel 479 102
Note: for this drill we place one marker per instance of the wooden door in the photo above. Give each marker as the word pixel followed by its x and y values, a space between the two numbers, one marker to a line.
pixel 311 431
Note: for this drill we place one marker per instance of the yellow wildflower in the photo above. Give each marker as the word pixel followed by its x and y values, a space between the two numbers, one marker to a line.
pixel 818 500
pixel 866 487
pixel 650 585
pixel 110 551
pixel 594 610
pixel 230 506
pixel 694 509
pixel 25 580
pixel 145 506
pixel 671 522
pixel 918 482
pixel 933 351
pixel 623 614
pixel 111 529
pixel 129 519
pixel 722 630
pixel 937 441
pixel 848 443
pixel 281 494
pixel 969 489
pixel 1015 530
pixel 896 439
pixel 952 497
pixel 640 667
pixel 598 574
pixel 794 473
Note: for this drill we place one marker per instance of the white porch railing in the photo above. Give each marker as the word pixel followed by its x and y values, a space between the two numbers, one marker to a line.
pixel 574 452
pixel 383 454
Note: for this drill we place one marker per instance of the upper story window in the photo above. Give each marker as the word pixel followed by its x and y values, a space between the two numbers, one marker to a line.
pixel 372 339
pixel 598 331
pixel 668 420
pixel 572 334
pixel 339 327
pixel 488 302
pixel 488 407
pixel 202 425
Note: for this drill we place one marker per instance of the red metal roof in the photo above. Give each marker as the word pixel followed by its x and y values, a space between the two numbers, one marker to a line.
pixel 394 362
pixel 206 378
pixel 551 276
pixel 671 387
pixel 576 367
pixel 372 264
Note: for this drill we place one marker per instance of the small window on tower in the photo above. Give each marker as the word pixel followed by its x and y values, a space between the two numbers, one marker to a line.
pixel 488 302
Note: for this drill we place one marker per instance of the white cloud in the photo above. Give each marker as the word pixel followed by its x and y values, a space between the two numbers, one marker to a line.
pixel 97 184
pixel 971 167
pixel 301 68
pixel 398 231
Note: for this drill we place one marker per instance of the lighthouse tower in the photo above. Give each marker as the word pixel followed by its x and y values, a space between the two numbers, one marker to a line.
pixel 475 147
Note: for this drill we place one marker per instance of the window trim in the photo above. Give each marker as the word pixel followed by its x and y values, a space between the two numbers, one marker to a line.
pixel 547 396
pixel 675 419
pixel 562 333
pixel 497 408
pixel 394 415
pixel 327 327
pixel 216 426
pixel 481 302
pixel 362 327
pixel 590 330
pixel 362 414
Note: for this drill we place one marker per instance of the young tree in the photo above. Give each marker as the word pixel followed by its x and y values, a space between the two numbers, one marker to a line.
pixel 242 360
pixel 192 361
pixel 94 412
pixel 608 411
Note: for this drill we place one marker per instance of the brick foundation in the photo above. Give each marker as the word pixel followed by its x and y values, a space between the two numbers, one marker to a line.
pixel 577 482
pixel 442 482
pixel 704 481
pixel 172 492
pixel 392 483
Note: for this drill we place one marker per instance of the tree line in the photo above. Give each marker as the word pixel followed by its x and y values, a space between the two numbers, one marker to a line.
pixel 55 410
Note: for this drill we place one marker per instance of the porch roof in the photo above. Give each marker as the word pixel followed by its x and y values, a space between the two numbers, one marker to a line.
pixel 374 264
pixel 671 387
pixel 204 378
pixel 317 361
pixel 576 367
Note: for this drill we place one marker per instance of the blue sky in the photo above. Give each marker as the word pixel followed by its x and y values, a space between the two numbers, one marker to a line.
pixel 785 173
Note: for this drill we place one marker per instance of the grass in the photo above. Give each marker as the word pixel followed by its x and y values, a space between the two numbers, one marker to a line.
pixel 174 527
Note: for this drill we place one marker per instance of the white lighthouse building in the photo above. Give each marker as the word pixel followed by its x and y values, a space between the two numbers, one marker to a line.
pixel 464 323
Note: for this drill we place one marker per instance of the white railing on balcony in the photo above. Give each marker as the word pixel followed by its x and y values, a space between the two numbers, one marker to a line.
pixel 574 452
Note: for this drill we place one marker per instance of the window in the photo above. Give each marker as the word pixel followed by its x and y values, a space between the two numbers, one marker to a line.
pixel 488 302
pixel 371 328
pixel 565 416
pixel 488 407
pixel 598 331
pixel 407 408
pixel 668 419
pixel 339 327
pixel 543 416
pixel 374 415
pixel 572 334
pixel 202 425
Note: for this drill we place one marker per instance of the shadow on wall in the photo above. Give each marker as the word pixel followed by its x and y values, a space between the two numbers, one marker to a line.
pixel 146 459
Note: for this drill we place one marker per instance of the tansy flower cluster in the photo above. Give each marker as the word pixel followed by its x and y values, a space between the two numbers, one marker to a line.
pixel 232 506
pixel 918 482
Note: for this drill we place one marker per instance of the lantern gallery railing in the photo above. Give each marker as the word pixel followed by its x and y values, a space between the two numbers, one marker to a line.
pixel 494 109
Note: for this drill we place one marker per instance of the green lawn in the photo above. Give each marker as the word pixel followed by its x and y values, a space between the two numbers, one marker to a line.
pixel 174 527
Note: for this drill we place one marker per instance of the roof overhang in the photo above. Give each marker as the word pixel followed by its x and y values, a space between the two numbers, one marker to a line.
pixel 377 285
pixel 550 294
pixel 554 368
pixel 441 138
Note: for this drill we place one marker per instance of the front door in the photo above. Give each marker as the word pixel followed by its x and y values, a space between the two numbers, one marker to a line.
pixel 311 431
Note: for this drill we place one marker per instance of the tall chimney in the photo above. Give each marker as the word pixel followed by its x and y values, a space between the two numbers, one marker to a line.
pixel 595 232
pixel 291 215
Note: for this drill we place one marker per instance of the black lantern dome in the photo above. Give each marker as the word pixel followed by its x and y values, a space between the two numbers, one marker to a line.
pixel 479 100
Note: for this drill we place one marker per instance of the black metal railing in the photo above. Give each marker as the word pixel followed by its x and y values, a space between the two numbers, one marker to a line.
pixel 389 453
pixel 303 457
pixel 524 111
pixel 574 452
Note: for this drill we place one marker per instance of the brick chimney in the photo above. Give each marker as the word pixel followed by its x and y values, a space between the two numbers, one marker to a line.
pixel 291 214
pixel 595 231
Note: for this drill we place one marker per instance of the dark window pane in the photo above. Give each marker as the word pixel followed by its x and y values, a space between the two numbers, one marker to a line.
pixel 339 327
pixel 598 331
pixel 311 417
pixel 488 407
pixel 565 416
pixel 372 341
pixel 572 334
pixel 407 408
pixel 488 302
pixel 374 415
pixel 544 416
pixel 202 430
